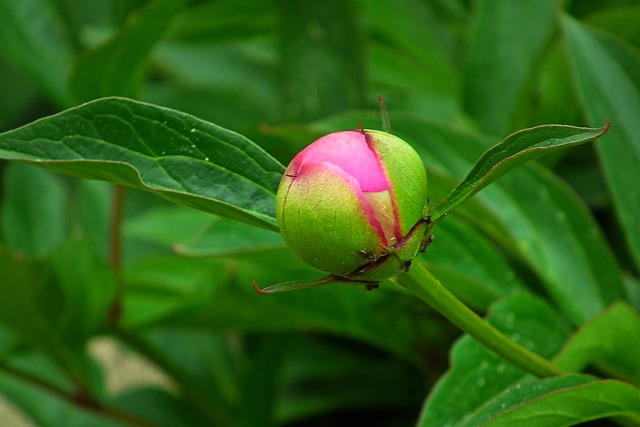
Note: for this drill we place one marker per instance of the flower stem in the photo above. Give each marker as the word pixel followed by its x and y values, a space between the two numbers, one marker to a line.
pixel 420 282
pixel 115 250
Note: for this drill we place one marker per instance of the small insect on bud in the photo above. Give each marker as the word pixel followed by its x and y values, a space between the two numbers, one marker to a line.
pixel 354 203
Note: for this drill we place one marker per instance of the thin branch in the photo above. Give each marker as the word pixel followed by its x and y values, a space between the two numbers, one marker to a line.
pixel 115 250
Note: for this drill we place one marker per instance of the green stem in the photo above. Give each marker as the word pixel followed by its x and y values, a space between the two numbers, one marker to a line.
pixel 420 282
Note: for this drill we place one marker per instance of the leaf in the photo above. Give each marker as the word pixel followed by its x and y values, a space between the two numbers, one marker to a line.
pixel 609 341
pixel 564 401
pixel 116 67
pixel 417 31
pixel 219 296
pixel 523 393
pixel 33 307
pixel 167 409
pixel 17 87
pixel 87 292
pixel 172 154
pixel 195 233
pixel 506 40
pixel 225 20
pixel 34 211
pixel 460 246
pixel 33 37
pixel 606 77
pixel 516 149
pixel 477 376
pixel 342 381
pixel 219 82
pixel 620 21
pixel 204 363
pixel 322 69
pixel 44 408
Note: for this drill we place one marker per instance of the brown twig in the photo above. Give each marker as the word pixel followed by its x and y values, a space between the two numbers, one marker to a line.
pixel 115 251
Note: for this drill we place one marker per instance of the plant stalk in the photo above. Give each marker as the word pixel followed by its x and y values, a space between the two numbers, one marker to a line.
pixel 420 282
pixel 115 250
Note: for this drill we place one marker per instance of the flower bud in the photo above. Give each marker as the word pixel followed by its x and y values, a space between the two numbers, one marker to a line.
pixel 353 204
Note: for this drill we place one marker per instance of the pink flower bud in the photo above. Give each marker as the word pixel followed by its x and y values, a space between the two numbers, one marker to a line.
pixel 351 204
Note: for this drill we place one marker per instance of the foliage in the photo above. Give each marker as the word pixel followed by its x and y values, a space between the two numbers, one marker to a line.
pixel 226 92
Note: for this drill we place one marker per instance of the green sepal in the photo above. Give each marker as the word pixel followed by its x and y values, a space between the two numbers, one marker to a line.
pixel 397 259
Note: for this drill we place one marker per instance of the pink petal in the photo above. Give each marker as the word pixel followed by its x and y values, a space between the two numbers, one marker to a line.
pixel 349 151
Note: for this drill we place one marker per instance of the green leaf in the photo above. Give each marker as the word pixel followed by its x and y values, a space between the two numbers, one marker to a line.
pixel 620 21
pixel 506 41
pixel 225 20
pixel 223 237
pixel 195 233
pixel 168 409
pixel 34 307
pixel 17 91
pixel 322 68
pixel 417 32
pixel 459 245
pixel 87 292
pixel 44 408
pixel 116 67
pixel 341 377
pixel 522 393
pixel 220 295
pixel 516 149
pixel 606 76
pixel 609 341
pixel 225 89
pixel 170 289
pixel 204 363
pixel 473 367
pixel 34 211
pixel 559 402
pixel 33 37
pixel 169 153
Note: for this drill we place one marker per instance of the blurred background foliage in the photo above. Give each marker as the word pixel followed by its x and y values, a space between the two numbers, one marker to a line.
pixel 193 344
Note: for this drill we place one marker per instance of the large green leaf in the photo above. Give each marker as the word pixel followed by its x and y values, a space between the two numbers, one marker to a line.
pixel 320 74
pixel 225 88
pixel 224 20
pixel 477 376
pixel 33 37
pixel 116 67
pixel 609 341
pixel 169 410
pixel 416 31
pixel 460 246
pixel 172 154
pixel 606 74
pixel 44 407
pixel 558 402
pixel 34 308
pixel 33 215
pixel 515 150
pixel 341 377
pixel 506 40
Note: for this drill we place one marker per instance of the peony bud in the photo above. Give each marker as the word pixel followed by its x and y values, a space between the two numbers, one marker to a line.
pixel 353 203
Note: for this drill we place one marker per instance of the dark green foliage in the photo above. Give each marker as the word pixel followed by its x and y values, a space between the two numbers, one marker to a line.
pixel 220 95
